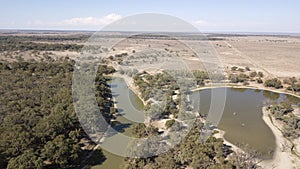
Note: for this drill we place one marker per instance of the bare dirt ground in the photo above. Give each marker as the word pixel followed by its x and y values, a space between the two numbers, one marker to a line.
pixel 277 56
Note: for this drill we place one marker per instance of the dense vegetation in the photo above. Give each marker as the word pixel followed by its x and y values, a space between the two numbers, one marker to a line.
pixel 39 127
pixel 276 83
pixel 160 81
pixel 26 46
pixel 238 78
pixel 244 76
pixel 284 112
pixel 293 85
pixel 41 43
pixel 192 152
pixel 48 38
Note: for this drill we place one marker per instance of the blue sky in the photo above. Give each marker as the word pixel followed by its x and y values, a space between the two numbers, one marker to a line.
pixel 207 15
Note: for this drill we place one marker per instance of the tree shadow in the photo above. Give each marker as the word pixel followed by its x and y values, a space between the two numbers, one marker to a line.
pixel 96 158
pixel 120 127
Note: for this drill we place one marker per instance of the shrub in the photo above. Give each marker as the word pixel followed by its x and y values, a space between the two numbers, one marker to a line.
pixel 234 68
pixel 243 77
pixel 253 74
pixel 260 74
pixel 294 87
pixel 259 81
pixel 238 78
pixel 121 71
pixel 169 123
pixel 246 83
pixel 241 70
pixel 273 83
pixel 233 78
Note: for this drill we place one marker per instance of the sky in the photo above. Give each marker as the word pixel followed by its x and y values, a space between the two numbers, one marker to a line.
pixel 206 15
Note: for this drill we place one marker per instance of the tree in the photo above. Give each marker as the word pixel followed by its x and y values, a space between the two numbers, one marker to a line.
pixel 273 83
pixel 234 68
pixel 15 140
pixel 260 74
pixel 294 87
pixel 237 78
pixel 141 130
pixel 26 160
pixel 292 80
pixel 233 78
pixel 61 151
pixel 37 113
pixel 241 70
pixel 250 159
pixel 259 80
pixel 253 74
pixel 169 123
pixel 246 83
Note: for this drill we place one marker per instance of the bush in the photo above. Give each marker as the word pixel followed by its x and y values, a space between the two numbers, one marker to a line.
pixel 121 71
pixel 234 68
pixel 238 78
pixel 253 74
pixel 291 81
pixel 233 78
pixel 140 130
pixel 247 68
pixel 273 83
pixel 260 74
pixel 260 81
pixel 243 77
pixel 246 83
pixel 241 70
pixel 294 87
pixel 169 123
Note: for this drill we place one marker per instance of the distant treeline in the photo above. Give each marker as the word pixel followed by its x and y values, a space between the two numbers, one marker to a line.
pixel 52 38
pixel 25 46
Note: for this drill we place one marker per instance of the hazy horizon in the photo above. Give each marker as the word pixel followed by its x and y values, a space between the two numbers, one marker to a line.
pixel 205 32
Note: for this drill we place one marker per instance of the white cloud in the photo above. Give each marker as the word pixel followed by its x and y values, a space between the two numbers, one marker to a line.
pixel 201 23
pixel 86 21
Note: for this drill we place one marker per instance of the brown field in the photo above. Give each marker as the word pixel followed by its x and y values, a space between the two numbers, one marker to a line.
pixel 276 56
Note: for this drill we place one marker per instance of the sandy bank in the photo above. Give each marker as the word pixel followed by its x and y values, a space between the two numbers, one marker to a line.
pixel 283 158
pixel 220 134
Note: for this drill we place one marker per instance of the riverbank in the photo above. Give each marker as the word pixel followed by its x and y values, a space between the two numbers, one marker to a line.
pixel 220 134
pixel 252 86
pixel 130 84
pixel 283 157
